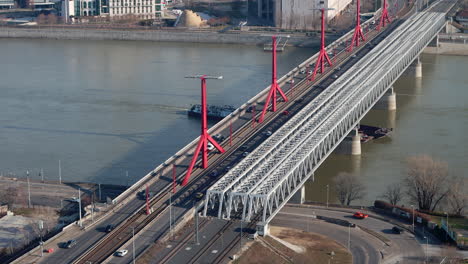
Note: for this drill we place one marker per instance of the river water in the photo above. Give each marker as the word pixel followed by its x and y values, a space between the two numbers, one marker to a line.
pixel 107 107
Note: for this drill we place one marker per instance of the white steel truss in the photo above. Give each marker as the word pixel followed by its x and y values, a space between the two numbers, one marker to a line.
pixel 282 138
pixel 276 170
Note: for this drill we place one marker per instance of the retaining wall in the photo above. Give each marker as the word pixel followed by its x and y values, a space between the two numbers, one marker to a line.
pixel 154 35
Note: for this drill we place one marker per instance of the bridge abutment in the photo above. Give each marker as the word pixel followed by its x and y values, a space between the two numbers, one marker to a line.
pixel 351 145
pixel 388 101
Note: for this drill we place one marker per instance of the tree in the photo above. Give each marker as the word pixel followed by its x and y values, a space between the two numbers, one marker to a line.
pixel 458 197
pixel 9 196
pixel 393 193
pixel 348 188
pixel 426 181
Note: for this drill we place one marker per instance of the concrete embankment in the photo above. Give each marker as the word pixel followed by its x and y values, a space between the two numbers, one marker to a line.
pixel 299 40
pixel 448 48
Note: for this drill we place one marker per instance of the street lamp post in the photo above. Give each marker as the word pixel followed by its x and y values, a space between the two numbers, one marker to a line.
pixel 427 242
pixel 412 206
pixel 327 194
pixel 349 237
pixel 447 233
pixel 79 205
pixel 133 243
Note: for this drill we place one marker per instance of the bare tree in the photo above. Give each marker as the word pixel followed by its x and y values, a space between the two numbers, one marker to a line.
pixel 458 196
pixel 426 181
pixel 9 196
pixel 348 188
pixel 393 193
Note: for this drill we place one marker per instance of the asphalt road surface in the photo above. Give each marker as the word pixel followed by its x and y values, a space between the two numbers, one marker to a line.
pixel 364 247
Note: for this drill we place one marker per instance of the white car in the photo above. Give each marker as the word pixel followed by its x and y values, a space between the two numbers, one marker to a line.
pixel 210 146
pixel 121 253
pixel 268 133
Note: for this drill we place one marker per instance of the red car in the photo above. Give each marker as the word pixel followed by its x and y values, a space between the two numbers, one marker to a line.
pixel 360 215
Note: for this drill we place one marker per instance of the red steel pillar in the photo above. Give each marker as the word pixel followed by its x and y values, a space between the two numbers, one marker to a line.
pixel 204 137
pixel 358 30
pixel 384 15
pixel 274 85
pixel 323 56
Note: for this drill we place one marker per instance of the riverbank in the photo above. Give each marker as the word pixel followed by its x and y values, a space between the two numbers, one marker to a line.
pixel 188 36
pixel 454 44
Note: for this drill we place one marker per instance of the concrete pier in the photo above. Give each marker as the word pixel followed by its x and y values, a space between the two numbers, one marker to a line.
pixel 351 145
pixel 388 101
pixel 299 196
pixel 418 68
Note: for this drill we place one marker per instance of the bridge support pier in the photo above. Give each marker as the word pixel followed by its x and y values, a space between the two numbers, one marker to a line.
pixel 388 101
pixel 263 229
pixel 351 145
pixel 299 196
pixel 418 68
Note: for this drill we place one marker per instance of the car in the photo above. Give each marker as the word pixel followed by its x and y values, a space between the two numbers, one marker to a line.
pixel 397 230
pixel 121 252
pixel 268 133
pixel 142 195
pixel 286 112
pixel 210 146
pixel 109 228
pixel 338 68
pixel 245 154
pixel 250 109
pixel 334 76
pixel 219 137
pixel 300 100
pixel 303 71
pixel 360 215
pixel 372 22
pixel 290 81
pixel 227 168
pixel 214 173
pixel 310 71
pixel 198 195
pixel 70 243
pixel 73 199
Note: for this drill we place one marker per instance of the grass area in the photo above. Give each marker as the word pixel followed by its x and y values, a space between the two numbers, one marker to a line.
pixel 312 247
pixel 455 223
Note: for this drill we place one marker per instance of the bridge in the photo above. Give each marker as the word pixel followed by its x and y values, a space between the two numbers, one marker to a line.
pixel 323 113
pixel 278 168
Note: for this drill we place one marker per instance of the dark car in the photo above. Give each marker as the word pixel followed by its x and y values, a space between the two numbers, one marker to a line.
pixel 109 228
pixel 70 243
pixel 142 195
pixel 397 230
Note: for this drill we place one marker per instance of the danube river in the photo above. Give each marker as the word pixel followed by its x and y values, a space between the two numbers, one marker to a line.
pixel 105 108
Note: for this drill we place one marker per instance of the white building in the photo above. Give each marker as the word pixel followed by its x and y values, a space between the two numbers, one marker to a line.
pixel 143 9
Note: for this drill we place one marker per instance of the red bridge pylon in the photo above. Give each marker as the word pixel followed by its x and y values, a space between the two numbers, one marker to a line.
pixel 274 85
pixel 358 30
pixel 204 137
pixel 323 56
pixel 384 15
